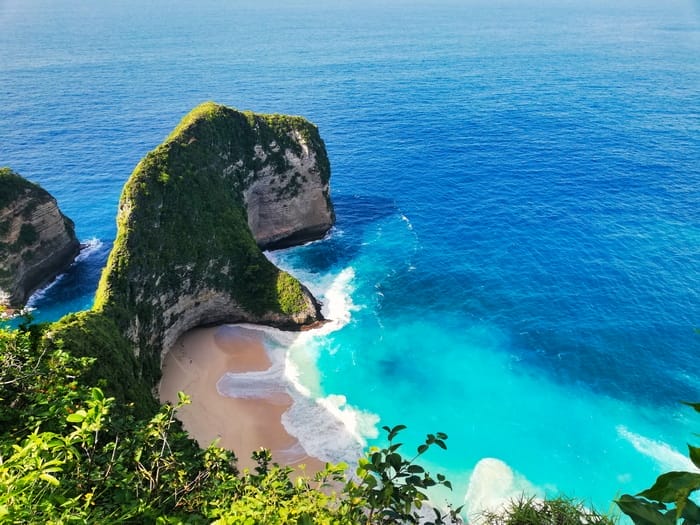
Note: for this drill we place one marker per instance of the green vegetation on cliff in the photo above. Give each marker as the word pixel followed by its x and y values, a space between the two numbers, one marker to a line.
pixel 12 185
pixel 184 253
pixel 182 217
pixel 111 363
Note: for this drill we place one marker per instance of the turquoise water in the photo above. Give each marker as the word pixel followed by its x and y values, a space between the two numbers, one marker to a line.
pixel 517 256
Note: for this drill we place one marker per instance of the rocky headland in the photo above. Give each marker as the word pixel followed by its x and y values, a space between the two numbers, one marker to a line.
pixel 191 223
pixel 37 242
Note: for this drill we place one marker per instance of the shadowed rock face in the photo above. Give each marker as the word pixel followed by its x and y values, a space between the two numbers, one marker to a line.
pixel 287 200
pixel 37 242
pixel 193 216
pixel 288 203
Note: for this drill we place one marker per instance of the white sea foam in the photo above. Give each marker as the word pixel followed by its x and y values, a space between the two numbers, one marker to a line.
pixel 337 302
pixel 37 296
pixel 326 426
pixel 89 247
pixel 492 485
pixel 667 457
pixel 268 384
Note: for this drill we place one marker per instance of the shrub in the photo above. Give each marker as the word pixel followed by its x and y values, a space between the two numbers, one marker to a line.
pixel 669 500
pixel 557 511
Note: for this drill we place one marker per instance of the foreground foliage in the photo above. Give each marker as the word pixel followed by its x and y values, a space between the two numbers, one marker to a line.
pixel 70 454
pixel 557 511
pixel 669 500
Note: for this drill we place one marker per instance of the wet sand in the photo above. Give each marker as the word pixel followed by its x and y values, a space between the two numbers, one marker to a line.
pixel 196 363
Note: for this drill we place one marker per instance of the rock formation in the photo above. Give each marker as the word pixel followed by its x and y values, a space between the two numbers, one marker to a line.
pixel 287 199
pixel 37 242
pixel 193 216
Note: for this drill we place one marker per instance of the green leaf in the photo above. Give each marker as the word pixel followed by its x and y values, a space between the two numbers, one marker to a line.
pixel 643 512
pixel 76 417
pixel 97 394
pixel 370 481
pixel 696 406
pixel 395 430
pixel 395 461
pixel 305 519
pixel 422 449
pixel 694 454
pixel 691 512
pixel 672 486
pixel 49 479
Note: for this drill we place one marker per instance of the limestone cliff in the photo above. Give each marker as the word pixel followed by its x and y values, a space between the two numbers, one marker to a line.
pixel 37 241
pixel 287 198
pixel 192 218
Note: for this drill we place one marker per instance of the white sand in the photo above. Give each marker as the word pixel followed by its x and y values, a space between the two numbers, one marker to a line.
pixel 198 360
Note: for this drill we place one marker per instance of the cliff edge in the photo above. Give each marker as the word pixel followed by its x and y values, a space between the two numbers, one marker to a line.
pixel 193 217
pixel 37 242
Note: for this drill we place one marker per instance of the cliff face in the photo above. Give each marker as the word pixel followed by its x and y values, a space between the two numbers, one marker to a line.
pixel 37 242
pixel 287 199
pixel 192 218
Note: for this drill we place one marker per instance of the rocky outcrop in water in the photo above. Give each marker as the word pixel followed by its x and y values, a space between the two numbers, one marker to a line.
pixel 37 242
pixel 193 217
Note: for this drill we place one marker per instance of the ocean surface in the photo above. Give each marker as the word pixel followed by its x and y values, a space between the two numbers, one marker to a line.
pixel 516 260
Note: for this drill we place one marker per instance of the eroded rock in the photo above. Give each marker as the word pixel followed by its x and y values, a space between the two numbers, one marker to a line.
pixel 37 242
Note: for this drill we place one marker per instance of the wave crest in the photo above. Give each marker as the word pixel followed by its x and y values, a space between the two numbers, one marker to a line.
pixel 327 427
pixel 87 249
pixel 492 485
pixel 667 457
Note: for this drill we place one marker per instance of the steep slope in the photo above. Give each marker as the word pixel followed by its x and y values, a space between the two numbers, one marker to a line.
pixel 190 220
pixel 37 241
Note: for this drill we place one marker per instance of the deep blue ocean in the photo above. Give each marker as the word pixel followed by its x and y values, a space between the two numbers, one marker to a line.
pixel 517 187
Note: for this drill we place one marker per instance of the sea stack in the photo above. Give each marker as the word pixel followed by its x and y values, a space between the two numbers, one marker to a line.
pixel 194 216
pixel 37 242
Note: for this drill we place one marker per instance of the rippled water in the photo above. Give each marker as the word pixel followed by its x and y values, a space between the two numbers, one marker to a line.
pixel 516 186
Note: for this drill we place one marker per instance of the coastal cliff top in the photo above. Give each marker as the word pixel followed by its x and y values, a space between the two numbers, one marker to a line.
pixel 185 254
pixel 13 185
pixel 182 218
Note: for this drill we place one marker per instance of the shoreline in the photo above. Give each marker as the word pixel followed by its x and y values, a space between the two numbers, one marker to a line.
pixel 199 359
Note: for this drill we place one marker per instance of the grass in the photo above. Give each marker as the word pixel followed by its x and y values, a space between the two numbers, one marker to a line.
pixel 556 511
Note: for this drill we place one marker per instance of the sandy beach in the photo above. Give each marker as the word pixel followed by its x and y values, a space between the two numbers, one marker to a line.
pixel 199 359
